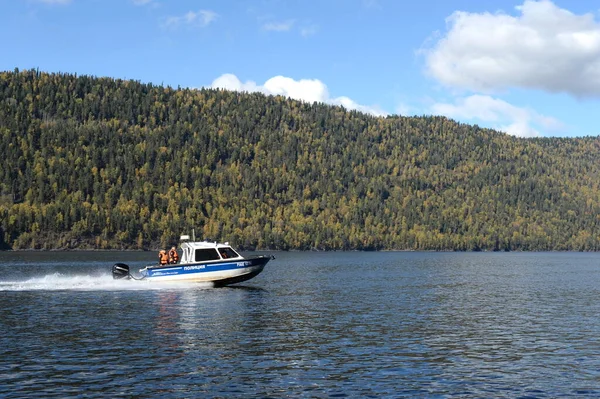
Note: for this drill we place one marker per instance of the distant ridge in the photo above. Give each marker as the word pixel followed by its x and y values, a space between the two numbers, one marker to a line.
pixel 114 164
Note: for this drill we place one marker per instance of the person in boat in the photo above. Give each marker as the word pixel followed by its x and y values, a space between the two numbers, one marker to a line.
pixel 173 256
pixel 163 258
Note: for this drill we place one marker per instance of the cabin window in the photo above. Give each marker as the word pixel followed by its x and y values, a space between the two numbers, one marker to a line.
pixel 227 253
pixel 206 254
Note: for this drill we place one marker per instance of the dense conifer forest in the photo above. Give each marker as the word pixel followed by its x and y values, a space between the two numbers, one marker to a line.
pixel 105 163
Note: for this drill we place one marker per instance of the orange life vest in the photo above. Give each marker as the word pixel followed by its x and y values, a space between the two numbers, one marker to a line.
pixel 163 259
pixel 173 256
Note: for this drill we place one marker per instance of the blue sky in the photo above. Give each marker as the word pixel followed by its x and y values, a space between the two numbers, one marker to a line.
pixel 529 68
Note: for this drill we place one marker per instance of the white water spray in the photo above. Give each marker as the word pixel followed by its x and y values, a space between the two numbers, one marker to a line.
pixel 61 282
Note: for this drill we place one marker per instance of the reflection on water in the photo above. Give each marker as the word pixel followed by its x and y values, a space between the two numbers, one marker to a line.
pixel 312 325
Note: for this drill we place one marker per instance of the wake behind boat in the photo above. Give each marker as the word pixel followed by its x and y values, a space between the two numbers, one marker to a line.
pixel 201 261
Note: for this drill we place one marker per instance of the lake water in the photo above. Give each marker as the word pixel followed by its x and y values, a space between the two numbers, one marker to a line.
pixel 318 325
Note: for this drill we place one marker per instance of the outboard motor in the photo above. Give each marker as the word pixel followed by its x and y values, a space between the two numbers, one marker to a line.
pixel 120 271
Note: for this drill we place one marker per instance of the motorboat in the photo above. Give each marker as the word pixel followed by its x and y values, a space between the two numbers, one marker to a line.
pixel 201 261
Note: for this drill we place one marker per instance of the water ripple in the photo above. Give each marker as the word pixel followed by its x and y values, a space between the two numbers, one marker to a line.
pixel 318 325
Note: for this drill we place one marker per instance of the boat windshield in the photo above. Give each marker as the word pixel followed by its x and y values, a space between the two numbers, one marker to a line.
pixel 228 253
pixel 206 254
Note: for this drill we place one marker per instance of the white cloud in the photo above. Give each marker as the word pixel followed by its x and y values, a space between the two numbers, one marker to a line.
pixel 201 18
pixel 371 4
pixel 404 109
pixel 284 26
pixel 309 30
pixel 499 114
pixel 545 47
pixel 229 81
pixel 141 2
pixel 304 28
pixel 351 104
pixel 309 90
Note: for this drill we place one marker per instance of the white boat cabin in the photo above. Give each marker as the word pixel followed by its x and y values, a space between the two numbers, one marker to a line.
pixel 204 251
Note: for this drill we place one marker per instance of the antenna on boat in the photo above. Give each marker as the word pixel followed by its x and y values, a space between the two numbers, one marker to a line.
pixel 193 235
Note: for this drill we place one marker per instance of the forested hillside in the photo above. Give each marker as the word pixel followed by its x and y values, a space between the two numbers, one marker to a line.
pixel 103 163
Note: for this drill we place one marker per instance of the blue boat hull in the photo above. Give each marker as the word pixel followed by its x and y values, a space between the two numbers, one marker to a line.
pixel 223 272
